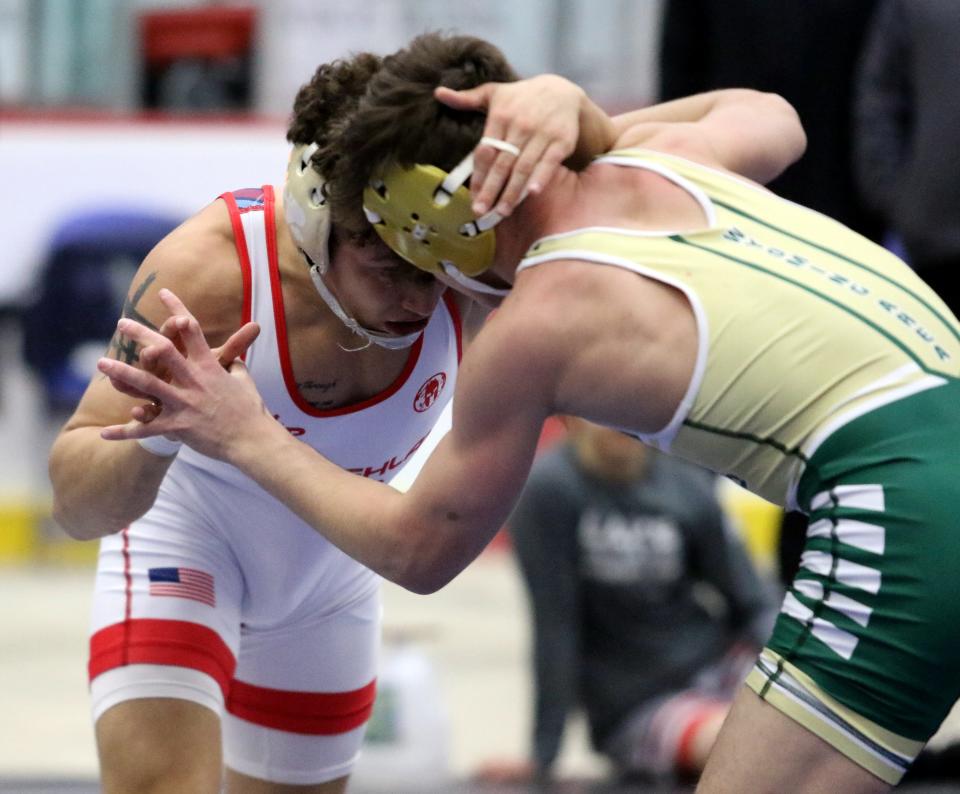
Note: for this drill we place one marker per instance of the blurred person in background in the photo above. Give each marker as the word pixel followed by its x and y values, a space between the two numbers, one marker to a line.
pixel 661 290
pixel 647 611
pixel 807 51
pixel 908 133
pixel 804 50
pixel 225 630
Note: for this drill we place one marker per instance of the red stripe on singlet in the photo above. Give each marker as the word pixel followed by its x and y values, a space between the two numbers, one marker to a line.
pixel 171 642
pixel 313 713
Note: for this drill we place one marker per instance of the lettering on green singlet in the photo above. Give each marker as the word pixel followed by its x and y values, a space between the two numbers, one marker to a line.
pixel 739 237
pixel 952 328
pixel 940 351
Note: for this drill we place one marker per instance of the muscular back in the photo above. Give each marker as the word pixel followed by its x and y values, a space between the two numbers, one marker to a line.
pixel 613 333
pixel 792 322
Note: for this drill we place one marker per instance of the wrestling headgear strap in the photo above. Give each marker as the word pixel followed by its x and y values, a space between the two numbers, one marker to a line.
pixel 306 213
pixel 424 214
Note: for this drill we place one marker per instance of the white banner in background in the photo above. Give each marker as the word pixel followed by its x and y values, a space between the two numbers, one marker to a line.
pixel 53 170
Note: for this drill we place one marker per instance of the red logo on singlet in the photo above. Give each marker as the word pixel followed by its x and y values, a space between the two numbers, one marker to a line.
pixel 429 392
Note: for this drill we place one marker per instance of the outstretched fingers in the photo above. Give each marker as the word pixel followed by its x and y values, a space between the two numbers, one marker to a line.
pixel 532 127
pixel 491 165
pixel 518 179
pixel 134 429
pixel 238 344
pixel 158 353
pixel 133 380
pixel 186 324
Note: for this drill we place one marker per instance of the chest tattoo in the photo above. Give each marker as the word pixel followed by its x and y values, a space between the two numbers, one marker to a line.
pixel 318 393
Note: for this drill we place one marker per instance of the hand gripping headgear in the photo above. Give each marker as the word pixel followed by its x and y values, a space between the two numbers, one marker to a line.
pixel 306 213
pixel 424 214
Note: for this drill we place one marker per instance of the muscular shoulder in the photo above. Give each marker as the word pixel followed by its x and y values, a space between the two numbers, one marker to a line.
pixel 197 261
pixel 523 335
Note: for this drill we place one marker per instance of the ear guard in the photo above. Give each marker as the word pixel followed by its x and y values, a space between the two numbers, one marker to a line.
pixel 424 214
pixel 306 213
pixel 304 206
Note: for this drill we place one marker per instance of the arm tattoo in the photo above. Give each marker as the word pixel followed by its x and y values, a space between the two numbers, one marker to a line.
pixel 122 347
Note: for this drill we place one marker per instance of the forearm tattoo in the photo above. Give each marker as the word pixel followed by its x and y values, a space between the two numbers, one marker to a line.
pixel 122 347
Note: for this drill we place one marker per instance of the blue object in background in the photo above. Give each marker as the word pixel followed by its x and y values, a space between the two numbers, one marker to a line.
pixel 79 294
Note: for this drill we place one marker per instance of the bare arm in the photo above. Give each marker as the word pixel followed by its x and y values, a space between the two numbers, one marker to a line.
pixel 754 134
pixel 99 488
pixel 420 539
pixel 473 315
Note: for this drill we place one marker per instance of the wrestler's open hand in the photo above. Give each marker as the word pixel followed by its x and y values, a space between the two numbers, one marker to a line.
pixel 538 119
pixel 149 359
pixel 204 404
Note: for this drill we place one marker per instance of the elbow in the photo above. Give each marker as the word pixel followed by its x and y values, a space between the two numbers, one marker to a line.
pixel 795 136
pixel 791 136
pixel 426 582
pixel 421 563
pixel 421 575
pixel 85 510
pixel 778 141
pixel 66 519
pixel 75 526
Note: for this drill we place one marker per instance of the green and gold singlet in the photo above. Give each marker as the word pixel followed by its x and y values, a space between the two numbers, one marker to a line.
pixel 804 324
pixel 826 379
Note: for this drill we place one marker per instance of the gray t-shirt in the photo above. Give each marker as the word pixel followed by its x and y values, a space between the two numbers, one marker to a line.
pixel 616 575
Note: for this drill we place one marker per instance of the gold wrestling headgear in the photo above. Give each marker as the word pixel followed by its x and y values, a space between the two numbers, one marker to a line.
pixel 424 214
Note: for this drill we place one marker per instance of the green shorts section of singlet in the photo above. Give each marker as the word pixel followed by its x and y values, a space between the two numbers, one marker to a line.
pixel 872 617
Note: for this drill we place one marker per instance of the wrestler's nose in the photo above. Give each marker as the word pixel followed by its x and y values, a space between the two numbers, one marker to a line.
pixel 422 299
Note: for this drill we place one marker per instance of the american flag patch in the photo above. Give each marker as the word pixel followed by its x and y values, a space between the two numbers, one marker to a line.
pixel 182 583
pixel 250 198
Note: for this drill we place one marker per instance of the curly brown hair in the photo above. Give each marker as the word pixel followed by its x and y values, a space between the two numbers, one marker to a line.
pixel 331 95
pixel 399 121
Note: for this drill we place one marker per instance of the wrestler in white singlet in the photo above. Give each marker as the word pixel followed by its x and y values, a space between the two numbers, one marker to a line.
pixel 220 595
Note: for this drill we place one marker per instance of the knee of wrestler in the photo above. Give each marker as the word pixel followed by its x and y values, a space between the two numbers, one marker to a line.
pixel 159 746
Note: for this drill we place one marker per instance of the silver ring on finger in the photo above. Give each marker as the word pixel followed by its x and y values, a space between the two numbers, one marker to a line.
pixel 503 146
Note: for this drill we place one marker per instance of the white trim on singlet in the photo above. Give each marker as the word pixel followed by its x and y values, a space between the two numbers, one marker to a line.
pixel 841 419
pixel 664 437
pixel 698 193
pixel 740 180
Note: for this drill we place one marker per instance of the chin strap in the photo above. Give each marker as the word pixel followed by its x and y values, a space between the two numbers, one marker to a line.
pixel 387 341
pixel 308 218
pixel 471 283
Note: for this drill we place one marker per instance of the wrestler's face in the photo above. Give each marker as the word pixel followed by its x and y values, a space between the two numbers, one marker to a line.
pixel 380 290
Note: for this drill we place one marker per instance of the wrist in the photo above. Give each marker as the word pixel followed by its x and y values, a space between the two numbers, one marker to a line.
pixel 263 443
pixel 597 133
